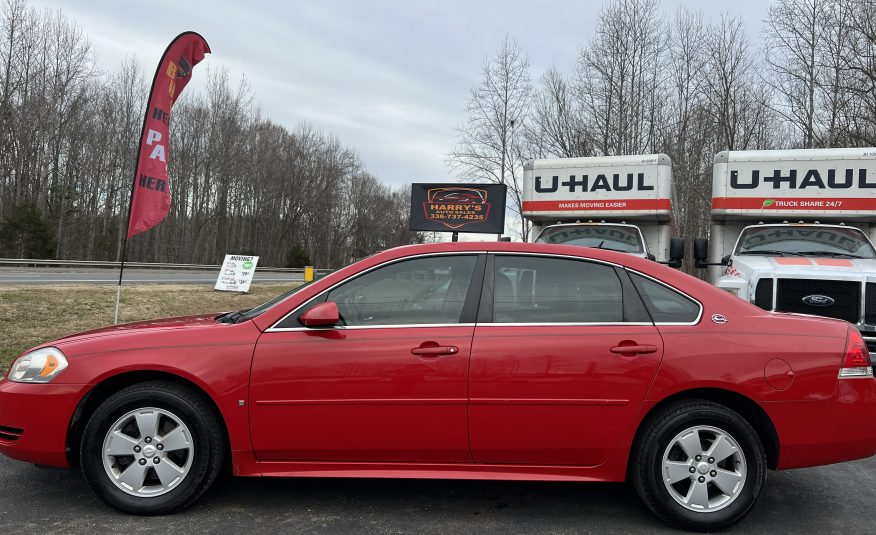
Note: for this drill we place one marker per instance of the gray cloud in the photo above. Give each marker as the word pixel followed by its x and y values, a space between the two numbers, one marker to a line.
pixel 388 78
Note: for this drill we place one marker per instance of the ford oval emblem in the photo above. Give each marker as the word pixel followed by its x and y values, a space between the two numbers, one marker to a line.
pixel 817 300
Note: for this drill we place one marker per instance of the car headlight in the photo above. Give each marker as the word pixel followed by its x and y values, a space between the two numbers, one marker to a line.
pixel 40 366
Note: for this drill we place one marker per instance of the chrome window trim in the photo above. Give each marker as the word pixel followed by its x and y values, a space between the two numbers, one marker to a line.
pixel 434 325
pixel 274 328
pixel 361 327
pixel 571 324
pixel 676 290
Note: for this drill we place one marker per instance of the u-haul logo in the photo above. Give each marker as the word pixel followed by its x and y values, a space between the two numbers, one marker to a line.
pixel 811 178
pixel 601 182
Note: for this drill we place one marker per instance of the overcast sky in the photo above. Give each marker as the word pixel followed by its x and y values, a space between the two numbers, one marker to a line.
pixel 388 78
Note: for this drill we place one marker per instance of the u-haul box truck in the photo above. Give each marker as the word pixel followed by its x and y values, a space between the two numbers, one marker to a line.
pixel 614 202
pixel 792 231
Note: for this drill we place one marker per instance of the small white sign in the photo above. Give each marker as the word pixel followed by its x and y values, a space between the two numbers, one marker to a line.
pixel 236 273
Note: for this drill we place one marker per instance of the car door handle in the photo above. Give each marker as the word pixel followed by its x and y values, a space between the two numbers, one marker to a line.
pixel 434 351
pixel 633 349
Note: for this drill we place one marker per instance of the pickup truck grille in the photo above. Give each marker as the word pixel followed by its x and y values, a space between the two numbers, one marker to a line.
pixel 870 304
pixel 846 296
pixel 763 294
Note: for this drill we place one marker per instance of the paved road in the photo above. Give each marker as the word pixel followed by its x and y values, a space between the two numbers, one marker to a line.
pixel 835 499
pixel 111 276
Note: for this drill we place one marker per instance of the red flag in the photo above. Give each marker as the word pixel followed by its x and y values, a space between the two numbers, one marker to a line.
pixel 150 196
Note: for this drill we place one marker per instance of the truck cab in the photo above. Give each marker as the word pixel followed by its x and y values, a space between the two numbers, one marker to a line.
pixel 622 203
pixel 792 232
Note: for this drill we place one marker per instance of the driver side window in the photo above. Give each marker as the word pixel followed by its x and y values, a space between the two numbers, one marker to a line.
pixel 430 290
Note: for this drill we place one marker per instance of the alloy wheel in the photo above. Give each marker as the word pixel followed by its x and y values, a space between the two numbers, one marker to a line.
pixel 148 452
pixel 703 468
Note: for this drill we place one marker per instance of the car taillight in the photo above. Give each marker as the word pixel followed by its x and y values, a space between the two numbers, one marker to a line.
pixel 856 362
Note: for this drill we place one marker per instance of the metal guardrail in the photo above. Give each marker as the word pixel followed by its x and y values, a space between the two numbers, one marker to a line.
pixel 138 265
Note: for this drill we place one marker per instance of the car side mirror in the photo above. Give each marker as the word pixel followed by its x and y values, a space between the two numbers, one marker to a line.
pixel 651 257
pixel 322 315
pixel 726 260
pixel 676 252
pixel 701 252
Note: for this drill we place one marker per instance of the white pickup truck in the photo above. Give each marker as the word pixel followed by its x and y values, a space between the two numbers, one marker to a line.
pixel 792 232
pixel 623 203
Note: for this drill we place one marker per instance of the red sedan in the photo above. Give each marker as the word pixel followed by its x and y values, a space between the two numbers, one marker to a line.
pixel 456 360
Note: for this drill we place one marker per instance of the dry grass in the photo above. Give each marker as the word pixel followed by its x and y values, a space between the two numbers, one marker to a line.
pixel 30 315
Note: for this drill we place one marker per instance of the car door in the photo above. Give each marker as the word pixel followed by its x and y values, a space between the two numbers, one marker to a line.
pixel 563 354
pixel 387 384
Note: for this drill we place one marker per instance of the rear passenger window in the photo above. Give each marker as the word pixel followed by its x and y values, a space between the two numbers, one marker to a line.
pixel 665 304
pixel 532 289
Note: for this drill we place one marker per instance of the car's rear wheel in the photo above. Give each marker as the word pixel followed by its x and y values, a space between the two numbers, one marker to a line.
pixel 699 465
pixel 152 448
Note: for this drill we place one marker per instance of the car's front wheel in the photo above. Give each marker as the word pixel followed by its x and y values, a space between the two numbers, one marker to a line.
pixel 152 448
pixel 699 466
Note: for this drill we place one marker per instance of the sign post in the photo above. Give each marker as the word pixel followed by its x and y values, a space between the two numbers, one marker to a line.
pixel 458 208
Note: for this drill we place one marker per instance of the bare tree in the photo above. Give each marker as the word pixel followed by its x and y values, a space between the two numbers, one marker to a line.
pixel 239 182
pixel 556 128
pixel 618 79
pixel 738 102
pixel 687 134
pixel 490 144
pixel 861 67
pixel 795 32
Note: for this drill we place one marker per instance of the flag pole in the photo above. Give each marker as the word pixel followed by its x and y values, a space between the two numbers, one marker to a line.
pixel 130 204
pixel 124 253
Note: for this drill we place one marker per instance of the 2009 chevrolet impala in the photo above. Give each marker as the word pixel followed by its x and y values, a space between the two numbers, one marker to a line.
pixel 457 360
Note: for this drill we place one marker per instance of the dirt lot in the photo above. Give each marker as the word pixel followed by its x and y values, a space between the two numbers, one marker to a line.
pixel 30 315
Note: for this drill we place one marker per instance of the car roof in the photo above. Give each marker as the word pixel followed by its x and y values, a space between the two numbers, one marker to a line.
pixel 604 255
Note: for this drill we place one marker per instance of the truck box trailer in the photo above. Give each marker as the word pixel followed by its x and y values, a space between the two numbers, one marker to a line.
pixel 792 231
pixel 613 202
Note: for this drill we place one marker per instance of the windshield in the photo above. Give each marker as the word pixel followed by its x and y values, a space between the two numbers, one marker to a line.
pixel 253 312
pixel 625 238
pixel 805 240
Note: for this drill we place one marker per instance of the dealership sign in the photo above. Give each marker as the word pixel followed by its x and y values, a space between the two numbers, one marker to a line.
pixel 236 273
pixel 458 207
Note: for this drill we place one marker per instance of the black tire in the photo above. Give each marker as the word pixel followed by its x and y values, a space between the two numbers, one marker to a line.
pixel 207 438
pixel 647 460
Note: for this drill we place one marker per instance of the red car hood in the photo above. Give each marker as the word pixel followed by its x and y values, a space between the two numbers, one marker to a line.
pixel 140 327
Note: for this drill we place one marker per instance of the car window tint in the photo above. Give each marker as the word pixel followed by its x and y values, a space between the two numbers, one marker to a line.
pixel 665 304
pixel 532 289
pixel 412 292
